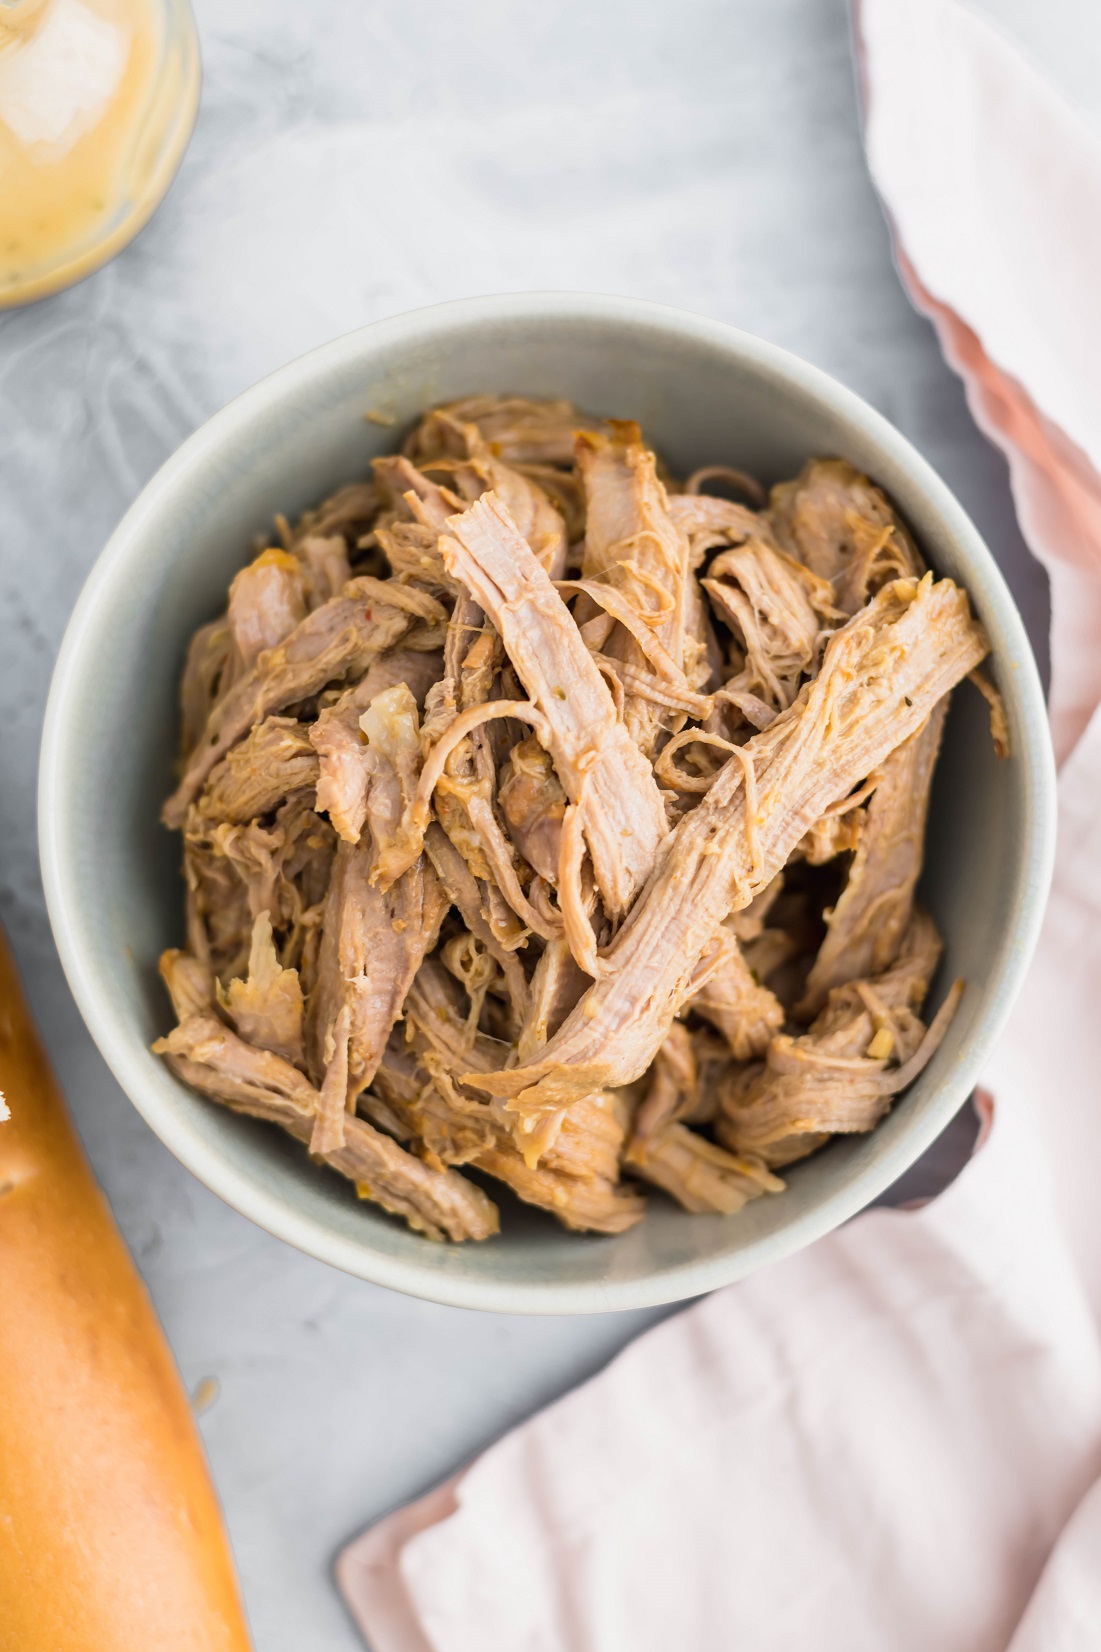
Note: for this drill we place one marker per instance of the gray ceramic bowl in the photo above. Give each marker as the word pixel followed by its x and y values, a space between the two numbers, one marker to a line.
pixel 704 393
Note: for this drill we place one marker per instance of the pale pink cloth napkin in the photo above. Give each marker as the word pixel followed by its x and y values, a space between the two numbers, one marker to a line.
pixel 892 1439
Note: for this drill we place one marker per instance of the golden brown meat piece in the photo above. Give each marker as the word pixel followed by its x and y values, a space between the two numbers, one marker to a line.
pixel 372 944
pixel 266 1007
pixel 600 767
pixel 843 528
pixel 865 928
pixel 234 872
pixel 839 1077
pixel 736 1003
pixel 534 805
pixel 699 1174
pixel 696 1172
pixel 521 431
pixel 637 554
pixel 768 602
pixel 266 601
pixel 471 900
pixel 576 1177
pixel 336 641
pixel 436 1202
pixel 211 666
pixel 337 738
pixel 273 761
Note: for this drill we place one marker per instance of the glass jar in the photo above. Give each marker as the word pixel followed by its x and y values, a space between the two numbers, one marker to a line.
pixel 97 102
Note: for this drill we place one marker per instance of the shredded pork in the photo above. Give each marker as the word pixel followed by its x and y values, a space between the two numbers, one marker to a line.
pixel 545 818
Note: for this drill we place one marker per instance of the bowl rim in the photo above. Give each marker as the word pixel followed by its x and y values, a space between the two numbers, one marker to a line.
pixel 271 1211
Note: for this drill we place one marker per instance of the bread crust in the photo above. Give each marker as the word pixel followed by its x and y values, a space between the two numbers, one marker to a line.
pixel 110 1532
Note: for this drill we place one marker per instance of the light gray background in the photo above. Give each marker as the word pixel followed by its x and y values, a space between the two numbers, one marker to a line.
pixel 352 160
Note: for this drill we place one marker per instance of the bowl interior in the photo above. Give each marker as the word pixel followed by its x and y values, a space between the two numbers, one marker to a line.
pixel 703 393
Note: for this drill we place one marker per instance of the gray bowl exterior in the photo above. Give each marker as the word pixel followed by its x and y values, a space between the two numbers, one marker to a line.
pixel 704 393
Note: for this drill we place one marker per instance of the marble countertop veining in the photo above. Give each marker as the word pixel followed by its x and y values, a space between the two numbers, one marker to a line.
pixel 351 161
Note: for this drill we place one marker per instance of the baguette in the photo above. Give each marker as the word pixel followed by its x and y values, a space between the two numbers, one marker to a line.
pixel 110 1533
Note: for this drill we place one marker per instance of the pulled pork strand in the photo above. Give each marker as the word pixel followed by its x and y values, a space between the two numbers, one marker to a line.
pixel 335 641
pixel 866 927
pixel 438 1203
pixel 839 1077
pixel 600 767
pixel 637 549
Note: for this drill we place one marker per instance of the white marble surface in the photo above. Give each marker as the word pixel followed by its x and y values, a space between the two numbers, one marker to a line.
pixel 351 160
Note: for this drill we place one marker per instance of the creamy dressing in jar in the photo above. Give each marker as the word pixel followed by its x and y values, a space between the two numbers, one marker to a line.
pixel 97 101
